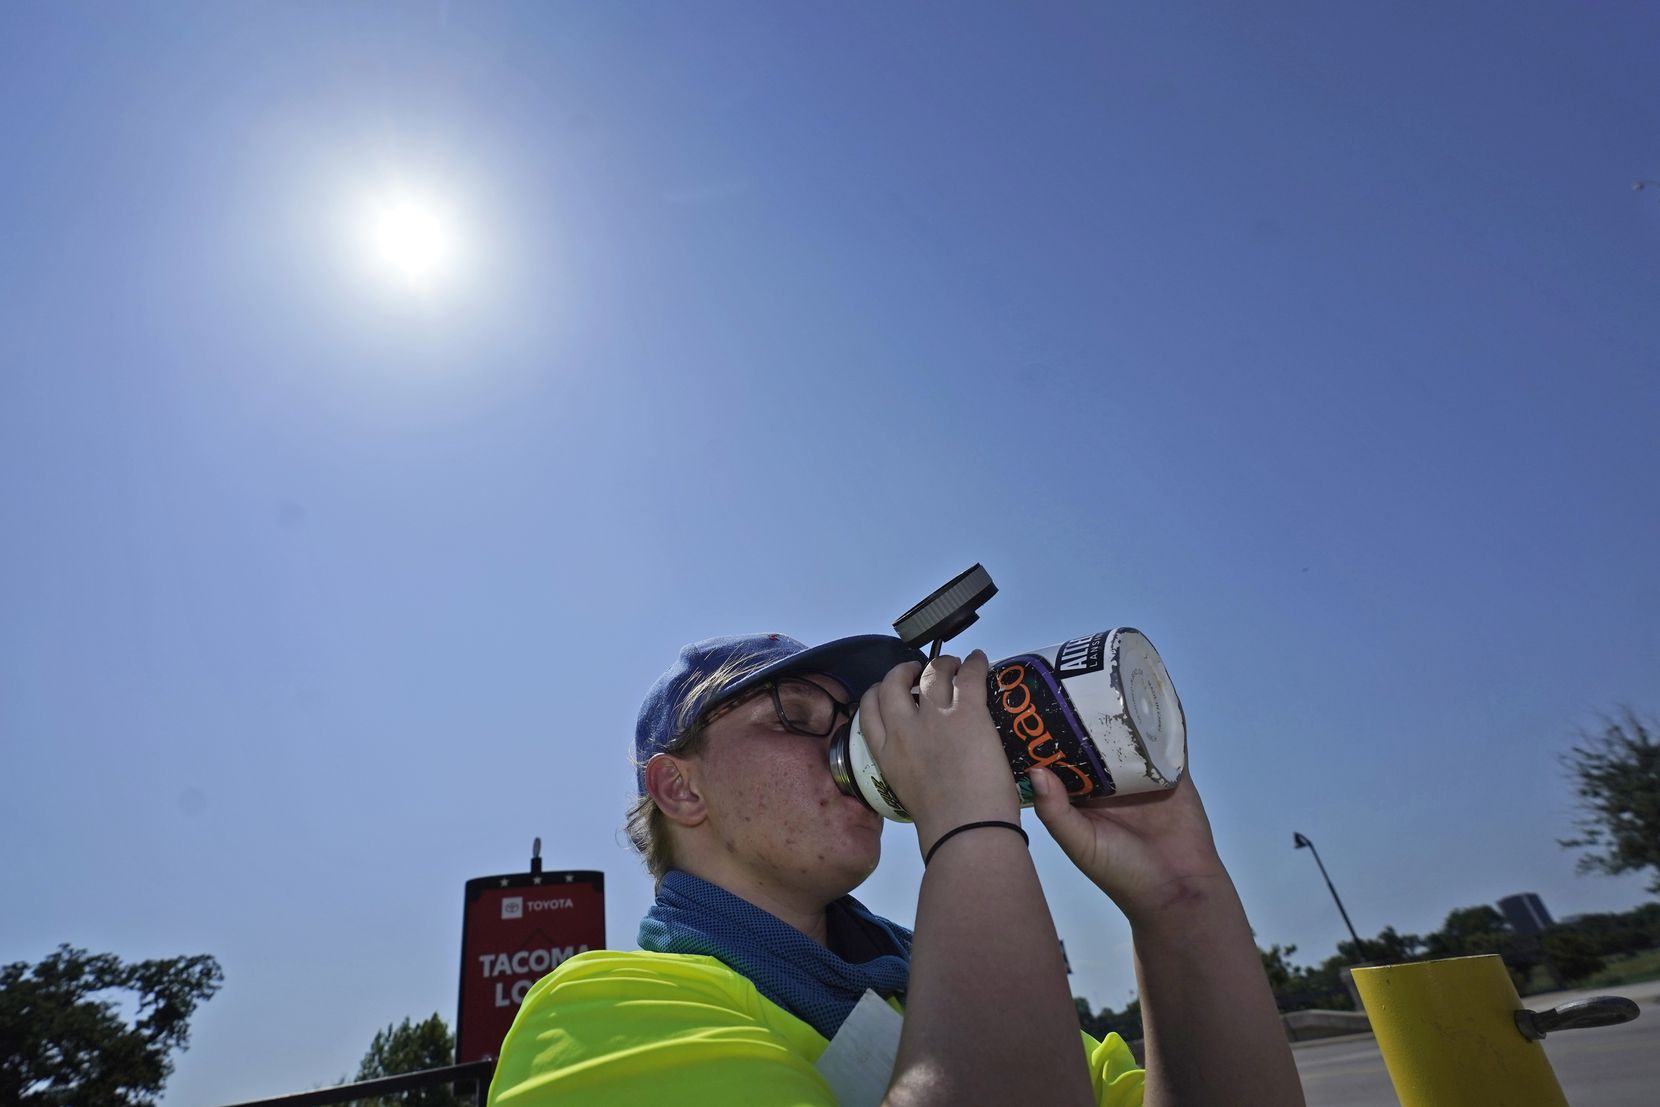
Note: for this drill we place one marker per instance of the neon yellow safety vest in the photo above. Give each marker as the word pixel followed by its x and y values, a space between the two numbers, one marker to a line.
pixel 680 1030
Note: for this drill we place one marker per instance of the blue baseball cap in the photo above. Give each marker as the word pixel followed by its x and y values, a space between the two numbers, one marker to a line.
pixel 857 662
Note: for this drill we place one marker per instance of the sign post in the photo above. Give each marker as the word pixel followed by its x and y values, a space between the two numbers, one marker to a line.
pixel 516 929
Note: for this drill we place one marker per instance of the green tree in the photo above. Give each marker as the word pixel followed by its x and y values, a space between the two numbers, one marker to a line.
pixel 1086 1018
pixel 411 1047
pixel 1098 1024
pixel 1276 962
pixel 1617 781
pixel 1299 987
pixel 1469 931
pixel 63 1040
pixel 1618 934
pixel 1574 956
pixel 1387 948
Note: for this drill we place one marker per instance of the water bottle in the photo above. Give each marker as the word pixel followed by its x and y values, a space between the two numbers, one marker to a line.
pixel 1099 711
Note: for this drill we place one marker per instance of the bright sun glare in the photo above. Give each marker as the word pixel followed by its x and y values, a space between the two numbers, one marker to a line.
pixel 411 239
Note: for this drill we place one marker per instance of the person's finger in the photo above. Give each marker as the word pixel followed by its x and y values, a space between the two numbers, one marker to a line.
pixel 870 720
pixel 895 692
pixel 936 680
pixel 970 683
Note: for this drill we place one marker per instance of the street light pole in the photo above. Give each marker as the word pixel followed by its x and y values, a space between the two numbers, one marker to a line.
pixel 1302 842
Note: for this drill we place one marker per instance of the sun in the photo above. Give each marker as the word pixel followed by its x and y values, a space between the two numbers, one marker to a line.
pixel 411 238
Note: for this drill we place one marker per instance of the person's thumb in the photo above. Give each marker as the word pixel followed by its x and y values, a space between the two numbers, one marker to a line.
pixel 1066 825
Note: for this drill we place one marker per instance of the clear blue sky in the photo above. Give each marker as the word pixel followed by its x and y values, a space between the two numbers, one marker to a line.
pixel 1321 343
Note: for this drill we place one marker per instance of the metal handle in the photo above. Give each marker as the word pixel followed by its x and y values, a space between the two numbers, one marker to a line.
pixel 1576 1015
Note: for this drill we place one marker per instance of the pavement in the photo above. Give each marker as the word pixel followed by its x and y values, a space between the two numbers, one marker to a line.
pixel 1608 1066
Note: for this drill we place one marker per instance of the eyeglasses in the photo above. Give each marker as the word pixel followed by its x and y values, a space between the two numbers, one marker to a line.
pixel 802 706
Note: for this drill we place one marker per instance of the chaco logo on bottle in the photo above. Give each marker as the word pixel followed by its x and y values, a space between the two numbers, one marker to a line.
pixel 1034 725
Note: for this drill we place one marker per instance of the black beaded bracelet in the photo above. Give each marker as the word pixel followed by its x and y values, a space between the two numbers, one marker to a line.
pixel 943 838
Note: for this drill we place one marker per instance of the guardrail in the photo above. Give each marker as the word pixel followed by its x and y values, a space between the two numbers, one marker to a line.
pixel 476 1073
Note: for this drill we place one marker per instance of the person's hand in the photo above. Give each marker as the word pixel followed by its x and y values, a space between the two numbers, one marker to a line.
pixel 1149 851
pixel 938 749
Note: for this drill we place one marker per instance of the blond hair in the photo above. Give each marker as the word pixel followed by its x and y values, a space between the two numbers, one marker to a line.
pixel 648 830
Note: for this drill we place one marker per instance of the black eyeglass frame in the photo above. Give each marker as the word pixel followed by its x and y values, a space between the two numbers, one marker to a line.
pixel 838 708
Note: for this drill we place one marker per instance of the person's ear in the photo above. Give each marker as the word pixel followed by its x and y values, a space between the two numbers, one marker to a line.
pixel 672 782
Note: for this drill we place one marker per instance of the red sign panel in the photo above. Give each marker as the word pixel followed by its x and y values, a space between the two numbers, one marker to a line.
pixel 515 930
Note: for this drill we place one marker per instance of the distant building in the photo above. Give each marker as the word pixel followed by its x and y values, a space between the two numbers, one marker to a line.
pixel 1525 912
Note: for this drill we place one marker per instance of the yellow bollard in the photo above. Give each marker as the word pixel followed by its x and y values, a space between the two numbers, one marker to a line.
pixel 1447 1031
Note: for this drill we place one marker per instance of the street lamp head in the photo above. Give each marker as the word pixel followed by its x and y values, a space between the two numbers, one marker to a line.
pixel 1299 842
